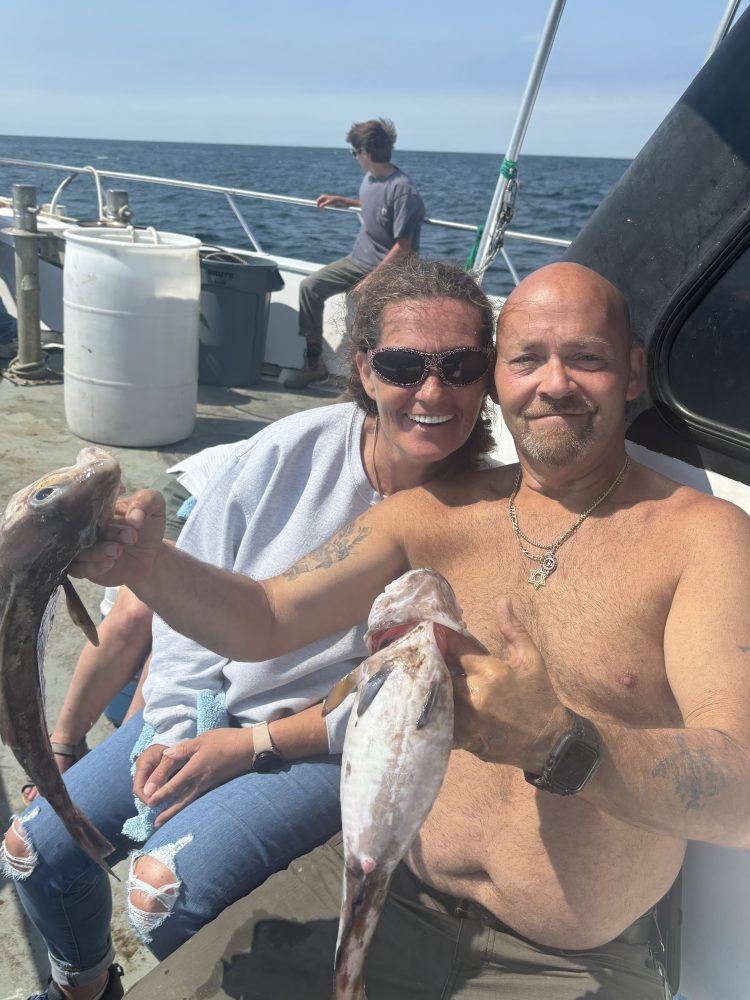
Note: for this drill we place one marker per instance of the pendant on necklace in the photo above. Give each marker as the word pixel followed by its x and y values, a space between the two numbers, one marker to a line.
pixel 548 565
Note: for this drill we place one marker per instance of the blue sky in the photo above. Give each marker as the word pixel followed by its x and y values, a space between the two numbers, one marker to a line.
pixel 298 72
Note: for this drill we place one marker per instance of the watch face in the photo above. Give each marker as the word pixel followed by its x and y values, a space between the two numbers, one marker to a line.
pixel 266 762
pixel 575 765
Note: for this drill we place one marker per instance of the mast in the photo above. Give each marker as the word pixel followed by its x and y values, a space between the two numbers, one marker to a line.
pixel 723 27
pixel 504 199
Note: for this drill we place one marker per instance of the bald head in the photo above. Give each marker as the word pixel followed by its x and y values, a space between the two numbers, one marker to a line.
pixel 564 288
pixel 566 365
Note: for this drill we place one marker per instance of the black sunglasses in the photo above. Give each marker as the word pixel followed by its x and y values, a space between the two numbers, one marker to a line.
pixel 355 152
pixel 406 367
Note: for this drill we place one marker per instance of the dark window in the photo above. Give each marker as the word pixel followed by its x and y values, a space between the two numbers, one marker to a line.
pixel 709 358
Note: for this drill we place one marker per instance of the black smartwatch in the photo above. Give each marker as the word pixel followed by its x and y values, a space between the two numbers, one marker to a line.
pixel 266 758
pixel 573 762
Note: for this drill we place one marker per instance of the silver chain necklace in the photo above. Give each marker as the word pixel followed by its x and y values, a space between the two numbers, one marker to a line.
pixel 548 560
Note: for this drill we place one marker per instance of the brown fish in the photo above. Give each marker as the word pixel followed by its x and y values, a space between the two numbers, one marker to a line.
pixel 396 750
pixel 43 528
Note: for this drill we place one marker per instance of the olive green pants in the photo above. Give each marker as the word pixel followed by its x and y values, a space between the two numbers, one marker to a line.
pixel 339 276
pixel 175 495
pixel 278 944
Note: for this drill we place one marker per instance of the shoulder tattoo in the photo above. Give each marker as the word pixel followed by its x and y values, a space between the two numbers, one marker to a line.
pixel 335 550
pixel 695 775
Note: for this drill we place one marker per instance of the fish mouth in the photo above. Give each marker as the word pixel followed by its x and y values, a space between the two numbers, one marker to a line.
pixel 94 461
pixel 390 634
pixel 93 456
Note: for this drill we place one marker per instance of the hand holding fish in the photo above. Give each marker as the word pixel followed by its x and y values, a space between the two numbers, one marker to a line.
pixel 396 751
pixel 129 545
pixel 506 710
pixel 181 774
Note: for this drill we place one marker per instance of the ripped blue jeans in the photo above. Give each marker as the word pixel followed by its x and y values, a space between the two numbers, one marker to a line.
pixel 220 847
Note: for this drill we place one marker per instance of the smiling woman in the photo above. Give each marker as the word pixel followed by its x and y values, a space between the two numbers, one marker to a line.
pixel 421 346
pixel 235 803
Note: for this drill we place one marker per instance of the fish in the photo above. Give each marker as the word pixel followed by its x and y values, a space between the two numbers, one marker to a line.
pixel 44 527
pixel 396 750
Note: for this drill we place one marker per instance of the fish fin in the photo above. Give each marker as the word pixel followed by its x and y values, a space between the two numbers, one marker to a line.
pixel 371 688
pixel 429 704
pixel 78 612
pixel 341 690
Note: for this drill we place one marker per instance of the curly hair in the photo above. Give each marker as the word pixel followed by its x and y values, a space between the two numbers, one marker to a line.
pixel 413 279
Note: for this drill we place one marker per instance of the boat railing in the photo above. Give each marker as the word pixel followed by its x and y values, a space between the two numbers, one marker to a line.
pixel 233 193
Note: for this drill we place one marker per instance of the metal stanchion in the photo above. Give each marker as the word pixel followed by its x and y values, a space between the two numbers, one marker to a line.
pixel 29 366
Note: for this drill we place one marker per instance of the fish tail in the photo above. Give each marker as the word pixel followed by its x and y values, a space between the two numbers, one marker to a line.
pixel 82 830
pixel 91 841
pixel 364 897
pixel 42 770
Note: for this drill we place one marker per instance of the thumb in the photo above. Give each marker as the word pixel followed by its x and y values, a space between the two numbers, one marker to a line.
pixel 143 505
pixel 511 628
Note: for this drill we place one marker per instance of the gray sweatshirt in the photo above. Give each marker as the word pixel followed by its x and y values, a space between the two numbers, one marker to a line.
pixel 277 497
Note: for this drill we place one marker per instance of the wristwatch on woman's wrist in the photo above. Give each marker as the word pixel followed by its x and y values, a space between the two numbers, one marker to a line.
pixel 266 758
pixel 573 762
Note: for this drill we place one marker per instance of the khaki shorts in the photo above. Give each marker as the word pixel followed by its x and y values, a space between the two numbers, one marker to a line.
pixel 278 944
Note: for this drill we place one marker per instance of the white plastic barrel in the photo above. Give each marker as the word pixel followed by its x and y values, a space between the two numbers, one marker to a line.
pixel 131 318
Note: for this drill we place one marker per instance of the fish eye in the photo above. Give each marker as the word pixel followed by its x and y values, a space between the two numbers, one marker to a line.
pixel 43 495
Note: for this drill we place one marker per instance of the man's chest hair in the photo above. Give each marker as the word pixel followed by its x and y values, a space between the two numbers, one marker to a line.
pixel 600 628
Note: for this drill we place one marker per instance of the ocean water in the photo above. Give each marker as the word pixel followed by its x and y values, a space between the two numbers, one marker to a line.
pixel 557 194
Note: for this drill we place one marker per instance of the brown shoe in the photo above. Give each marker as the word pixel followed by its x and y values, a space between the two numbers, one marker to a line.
pixel 304 376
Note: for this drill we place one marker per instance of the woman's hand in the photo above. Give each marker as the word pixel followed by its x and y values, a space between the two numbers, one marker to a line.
pixel 147 763
pixel 128 546
pixel 183 773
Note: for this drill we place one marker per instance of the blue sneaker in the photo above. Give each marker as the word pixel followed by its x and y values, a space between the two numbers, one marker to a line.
pixel 112 991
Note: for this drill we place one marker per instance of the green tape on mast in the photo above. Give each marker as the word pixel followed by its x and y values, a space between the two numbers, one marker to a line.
pixel 471 259
pixel 509 169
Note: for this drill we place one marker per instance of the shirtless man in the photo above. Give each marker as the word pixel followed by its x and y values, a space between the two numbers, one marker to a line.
pixel 637 623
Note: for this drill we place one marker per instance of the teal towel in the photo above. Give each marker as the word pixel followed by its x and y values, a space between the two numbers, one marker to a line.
pixel 211 714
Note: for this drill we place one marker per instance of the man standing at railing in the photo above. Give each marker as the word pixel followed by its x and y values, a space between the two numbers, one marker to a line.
pixel 392 214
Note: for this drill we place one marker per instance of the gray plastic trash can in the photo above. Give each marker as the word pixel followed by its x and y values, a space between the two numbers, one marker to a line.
pixel 234 304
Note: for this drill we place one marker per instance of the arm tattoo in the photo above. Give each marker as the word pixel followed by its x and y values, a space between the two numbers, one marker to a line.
pixel 336 549
pixel 696 777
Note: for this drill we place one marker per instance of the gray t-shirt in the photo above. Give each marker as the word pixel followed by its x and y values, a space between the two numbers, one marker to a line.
pixel 391 209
